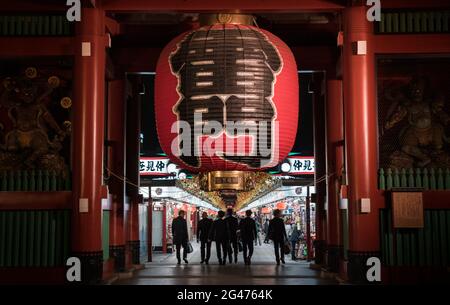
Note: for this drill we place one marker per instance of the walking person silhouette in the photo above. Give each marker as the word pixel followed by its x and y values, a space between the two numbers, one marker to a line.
pixel 232 223
pixel 180 236
pixel 203 230
pixel 220 234
pixel 277 233
pixel 247 227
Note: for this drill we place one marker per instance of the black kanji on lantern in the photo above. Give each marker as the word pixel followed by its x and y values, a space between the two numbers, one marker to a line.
pixel 227 74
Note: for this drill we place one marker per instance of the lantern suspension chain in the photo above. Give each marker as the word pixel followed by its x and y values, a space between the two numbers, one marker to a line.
pixel 125 179
pixel 255 23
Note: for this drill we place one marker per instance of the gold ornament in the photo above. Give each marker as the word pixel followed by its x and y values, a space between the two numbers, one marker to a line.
pixel 66 102
pixel 224 18
pixel 67 126
pixel 54 81
pixel 31 72
pixel 7 83
pixel 262 183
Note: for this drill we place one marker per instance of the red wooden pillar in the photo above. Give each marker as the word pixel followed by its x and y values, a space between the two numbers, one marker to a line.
pixel 320 167
pixel 335 136
pixel 88 140
pixel 133 237
pixel 116 159
pixel 133 129
pixel 360 140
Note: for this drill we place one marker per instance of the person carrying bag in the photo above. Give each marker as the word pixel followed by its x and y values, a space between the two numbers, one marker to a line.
pixel 189 247
pixel 180 236
pixel 277 233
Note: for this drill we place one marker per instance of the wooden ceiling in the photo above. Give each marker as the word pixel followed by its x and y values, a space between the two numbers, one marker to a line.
pixel 156 30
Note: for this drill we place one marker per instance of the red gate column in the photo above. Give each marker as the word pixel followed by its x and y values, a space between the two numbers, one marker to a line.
pixel 335 135
pixel 116 164
pixel 133 223
pixel 360 140
pixel 88 108
pixel 320 168
pixel 133 130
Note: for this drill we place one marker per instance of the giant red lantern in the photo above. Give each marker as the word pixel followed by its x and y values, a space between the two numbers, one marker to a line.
pixel 226 98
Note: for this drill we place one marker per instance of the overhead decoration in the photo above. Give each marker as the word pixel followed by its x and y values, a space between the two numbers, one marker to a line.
pixel 226 99
pixel 31 72
pixel 192 186
pixel 263 183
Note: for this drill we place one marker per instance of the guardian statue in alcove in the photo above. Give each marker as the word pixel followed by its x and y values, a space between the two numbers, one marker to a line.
pixel 27 144
pixel 423 139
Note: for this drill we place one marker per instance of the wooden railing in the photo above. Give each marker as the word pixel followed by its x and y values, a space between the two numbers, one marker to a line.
pixel 34 238
pixel 408 21
pixel 426 178
pixel 34 181
pixel 35 25
pixel 427 246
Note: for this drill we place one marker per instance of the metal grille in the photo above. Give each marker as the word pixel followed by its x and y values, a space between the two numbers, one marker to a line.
pixel 413 21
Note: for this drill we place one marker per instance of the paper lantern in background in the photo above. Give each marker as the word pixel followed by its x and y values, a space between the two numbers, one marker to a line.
pixel 230 74
pixel 265 210
pixel 281 205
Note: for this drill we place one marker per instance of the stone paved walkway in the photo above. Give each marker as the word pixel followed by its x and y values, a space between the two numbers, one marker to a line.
pixel 263 271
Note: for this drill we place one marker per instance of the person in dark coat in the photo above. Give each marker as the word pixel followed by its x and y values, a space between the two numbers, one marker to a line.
pixel 248 231
pixel 233 226
pixel 277 233
pixel 180 236
pixel 266 231
pixel 203 230
pixel 294 238
pixel 220 234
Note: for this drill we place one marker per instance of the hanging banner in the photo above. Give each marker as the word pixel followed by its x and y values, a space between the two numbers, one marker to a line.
pixel 301 165
pixel 156 166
